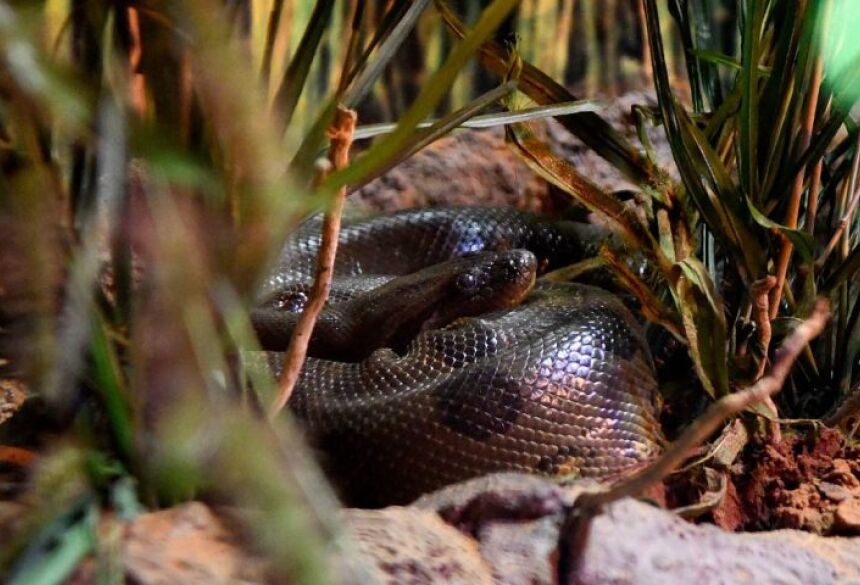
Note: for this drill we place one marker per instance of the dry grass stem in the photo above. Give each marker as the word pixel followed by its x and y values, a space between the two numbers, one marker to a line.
pixel 719 412
pixel 16 456
pixel 759 292
pixel 340 135
pixel 840 229
pixel 850 408
pixel 784 258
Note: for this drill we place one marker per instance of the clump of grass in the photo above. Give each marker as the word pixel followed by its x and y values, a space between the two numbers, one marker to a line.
pixel 763 220
pixel 145 184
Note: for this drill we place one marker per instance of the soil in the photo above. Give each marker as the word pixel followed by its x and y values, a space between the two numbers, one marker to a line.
pixel 809 481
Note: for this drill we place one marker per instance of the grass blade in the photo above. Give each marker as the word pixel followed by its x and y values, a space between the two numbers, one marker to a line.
pixel 435 89
pixel 296 74
pixel 493 120
pixel 704 326
pixel 748 161
pixel 593 130
pixel 439 129
pixel 397 24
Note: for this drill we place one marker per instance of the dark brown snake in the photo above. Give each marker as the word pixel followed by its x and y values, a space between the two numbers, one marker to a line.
pixel 561 385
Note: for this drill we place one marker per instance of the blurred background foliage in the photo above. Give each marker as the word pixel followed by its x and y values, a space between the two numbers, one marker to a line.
pixel 153 154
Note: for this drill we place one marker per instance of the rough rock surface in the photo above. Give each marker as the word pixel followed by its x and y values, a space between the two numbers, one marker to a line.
pixel 414 546
pixel 187 544
pixel 633 542
pixel 509 529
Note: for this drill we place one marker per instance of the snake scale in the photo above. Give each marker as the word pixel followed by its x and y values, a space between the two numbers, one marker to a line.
pixel 561 385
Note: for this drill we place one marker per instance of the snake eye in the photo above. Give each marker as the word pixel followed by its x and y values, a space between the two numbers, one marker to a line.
pixel 467 281
pixel 293 302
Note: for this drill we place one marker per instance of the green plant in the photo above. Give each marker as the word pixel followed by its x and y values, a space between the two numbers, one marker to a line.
pixel 763 218
pixel 145 182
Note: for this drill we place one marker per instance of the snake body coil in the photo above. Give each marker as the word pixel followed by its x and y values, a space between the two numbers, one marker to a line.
pixel 562 385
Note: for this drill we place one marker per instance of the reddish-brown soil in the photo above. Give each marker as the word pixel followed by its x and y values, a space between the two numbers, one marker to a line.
pixel 809 481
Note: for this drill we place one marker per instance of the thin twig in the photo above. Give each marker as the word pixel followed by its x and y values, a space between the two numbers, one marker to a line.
pixel 837 235
pixel 728 406
pixel 849 409
pixel 340 136
pixel 759 293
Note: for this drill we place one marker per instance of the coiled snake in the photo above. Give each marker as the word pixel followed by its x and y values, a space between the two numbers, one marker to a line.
pixel 560 385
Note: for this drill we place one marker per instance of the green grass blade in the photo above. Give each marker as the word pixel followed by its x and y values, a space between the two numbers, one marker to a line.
pixel 55 553
pixel 439 129
pixel 803 242
pixel 370 70
pixel 398 22
pixel 748 161
pixel 705 327
pixel 493 120
pixel 843 272
pixel 296 74
pixel 435 89
pixel 109 381
pixel 589 127
pixel 696 160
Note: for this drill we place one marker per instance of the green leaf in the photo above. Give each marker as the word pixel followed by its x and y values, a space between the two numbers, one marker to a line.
pixel 370 70
pixel 297 71
pixel 802 241
pixel 438 129
pixel 748 161
pixel 110 383
pixel 703 315
pixel 55 553
pixel 843 272
pixel 784 93
pixel 721 59
pixel 398 21
pixel 717 198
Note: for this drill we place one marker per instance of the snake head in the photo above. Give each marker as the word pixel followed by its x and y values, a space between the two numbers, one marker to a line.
pixel 483 282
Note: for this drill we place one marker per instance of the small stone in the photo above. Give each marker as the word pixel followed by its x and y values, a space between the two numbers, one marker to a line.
pixel 847 517
pixel 835 492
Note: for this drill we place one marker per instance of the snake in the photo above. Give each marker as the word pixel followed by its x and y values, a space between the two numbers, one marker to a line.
pixel 483 369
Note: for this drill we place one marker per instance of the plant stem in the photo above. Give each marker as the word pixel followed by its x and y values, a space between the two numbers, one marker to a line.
pixel 340 135
pixel 797 189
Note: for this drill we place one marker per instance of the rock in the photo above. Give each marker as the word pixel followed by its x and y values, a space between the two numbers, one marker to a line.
pixel 508 496
pixel 632 543
pixel 847 518
pixel 187 544
pixel 415 546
